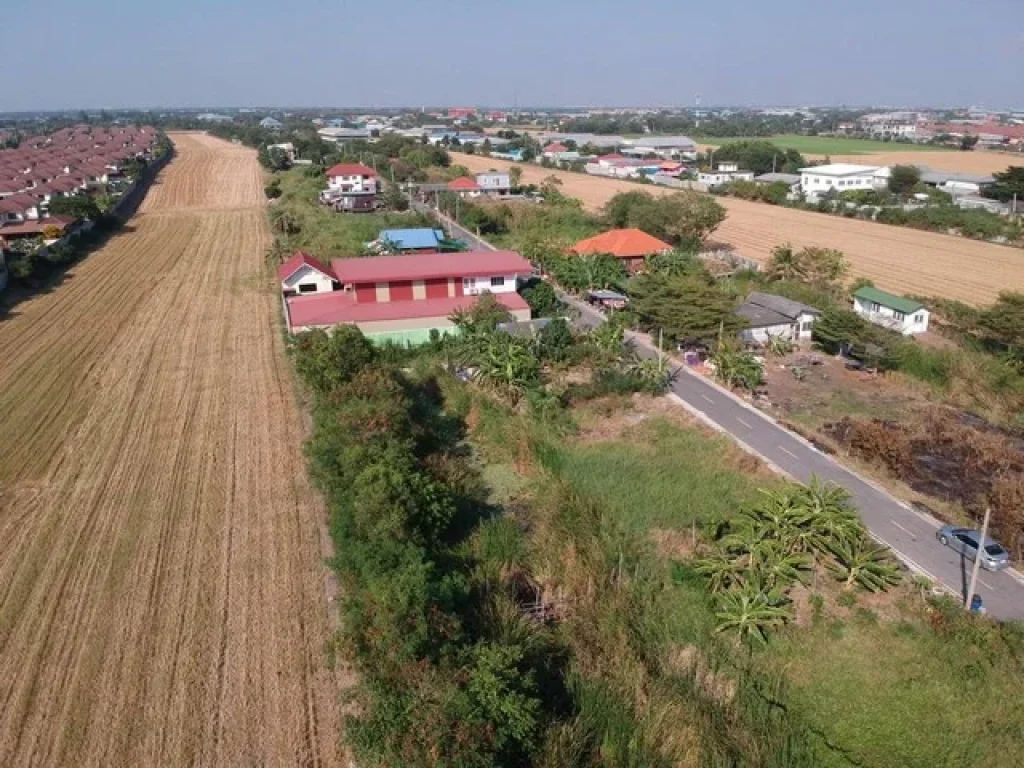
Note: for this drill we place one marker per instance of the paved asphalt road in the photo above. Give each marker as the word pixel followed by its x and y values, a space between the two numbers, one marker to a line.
pixel 907 532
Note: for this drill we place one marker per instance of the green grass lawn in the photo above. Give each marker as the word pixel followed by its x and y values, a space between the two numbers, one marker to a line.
pixel 825 145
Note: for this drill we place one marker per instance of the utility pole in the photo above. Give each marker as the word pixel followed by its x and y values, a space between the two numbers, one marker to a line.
pixel 773 162
pixel 977 560
pixel 661 349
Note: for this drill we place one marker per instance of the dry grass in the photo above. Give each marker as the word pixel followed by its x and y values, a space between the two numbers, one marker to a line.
pixel 161 588
pixel 957 162
pixel 895 258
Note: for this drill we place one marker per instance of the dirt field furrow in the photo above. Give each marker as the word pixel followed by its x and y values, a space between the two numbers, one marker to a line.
pixel 161 587
pixel 895 258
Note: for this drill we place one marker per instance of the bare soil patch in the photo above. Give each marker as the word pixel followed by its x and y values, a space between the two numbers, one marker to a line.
pixel 161 581
pixel 895 258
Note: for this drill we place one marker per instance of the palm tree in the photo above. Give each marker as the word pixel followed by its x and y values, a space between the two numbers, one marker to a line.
pixel 862 562
pixel 785 264
pixel 749 612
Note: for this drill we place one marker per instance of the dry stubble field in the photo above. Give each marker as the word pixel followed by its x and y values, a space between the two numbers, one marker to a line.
pixel 896 258
pixel 162 597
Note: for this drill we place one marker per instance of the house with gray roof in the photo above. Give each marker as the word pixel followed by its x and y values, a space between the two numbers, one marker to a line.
pixel 770 316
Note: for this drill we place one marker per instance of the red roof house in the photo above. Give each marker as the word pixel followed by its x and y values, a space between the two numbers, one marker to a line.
pixel 630 245
pixel 304 274
pixel 465 186
pixel 350 181
pixel 556 147
pixel 405 297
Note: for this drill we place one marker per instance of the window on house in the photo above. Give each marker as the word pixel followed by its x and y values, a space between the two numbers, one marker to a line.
pixel 307 287
pixel 919 319
pixel 875 306
pixel 805 326
pixel 899 316
pixel 497 282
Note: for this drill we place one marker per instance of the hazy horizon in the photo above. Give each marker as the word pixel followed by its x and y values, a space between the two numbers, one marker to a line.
pixel 112 54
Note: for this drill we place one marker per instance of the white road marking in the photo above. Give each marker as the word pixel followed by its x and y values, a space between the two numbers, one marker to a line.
pixel 706 397
pixel 905 530
pixel 786 450
pixel 741 421
pixel 985 584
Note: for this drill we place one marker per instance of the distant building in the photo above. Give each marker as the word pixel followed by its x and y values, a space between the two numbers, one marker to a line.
pixel 351 187
pixel 842 177
pixel 420 240
pixel 770 316
pixel 343 135
pixel 213 117
pixel 724 173
pixel 271 123
pixel 287 147
pixel 897 313
pixel 663 146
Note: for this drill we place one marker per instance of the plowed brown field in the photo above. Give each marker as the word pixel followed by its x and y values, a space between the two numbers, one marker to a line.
pixel 162 598
pixel 895 258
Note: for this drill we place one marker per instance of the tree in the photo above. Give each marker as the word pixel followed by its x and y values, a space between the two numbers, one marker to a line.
pixel 78 206
pixel 968 143
pixel 328 361
pixel 835 327
pixel 760 157
pixel 687 309
pixel 903 179
pixel 394 199
pixel 1008 184
pixel 504 362
pixel 515 176
pixel 681 219
pixel 482 317
pixel 617 210
pixel 555 340
pixel 722 571
pixel 543 299
pixel 784 264
pixel 1003 323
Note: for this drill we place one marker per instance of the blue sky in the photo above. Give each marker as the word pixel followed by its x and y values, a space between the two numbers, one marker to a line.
pixel 141 53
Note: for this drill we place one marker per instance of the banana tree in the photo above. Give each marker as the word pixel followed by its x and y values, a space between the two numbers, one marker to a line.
pixel 862 562
pixel 722 571
pixel 750 613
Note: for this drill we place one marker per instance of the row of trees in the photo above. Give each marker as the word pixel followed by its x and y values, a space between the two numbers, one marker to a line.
pixel 445 680
pixel 782 541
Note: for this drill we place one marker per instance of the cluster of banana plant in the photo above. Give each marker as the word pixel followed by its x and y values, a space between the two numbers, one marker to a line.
pixel 779 542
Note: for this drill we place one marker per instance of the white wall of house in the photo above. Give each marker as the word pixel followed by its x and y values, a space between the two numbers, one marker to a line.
pixel 799 330
pixel 308 280
pixel 724 176
pixel 814 182
pixel 359 184
pixel 887 317
pixel 494 183
pixel 474 286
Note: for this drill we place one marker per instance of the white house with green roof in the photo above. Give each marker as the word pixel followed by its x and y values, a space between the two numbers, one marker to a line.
pixel 897 313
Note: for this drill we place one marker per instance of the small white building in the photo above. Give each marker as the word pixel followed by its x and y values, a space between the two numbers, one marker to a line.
pixel 302 274
pixel 287 147
pixel 842 177
pixel 723 174
pixel 770 316
pixel 897 313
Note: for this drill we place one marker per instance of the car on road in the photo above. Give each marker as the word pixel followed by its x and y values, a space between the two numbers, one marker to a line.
pixel 965 541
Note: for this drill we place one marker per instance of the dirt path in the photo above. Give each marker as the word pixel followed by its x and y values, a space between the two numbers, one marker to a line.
pixel 895 258
pixel 161 579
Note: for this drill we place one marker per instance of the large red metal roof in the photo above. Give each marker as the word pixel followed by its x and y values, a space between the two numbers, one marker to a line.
pixel 426 266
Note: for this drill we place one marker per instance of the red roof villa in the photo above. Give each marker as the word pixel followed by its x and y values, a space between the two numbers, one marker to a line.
pixel 398 298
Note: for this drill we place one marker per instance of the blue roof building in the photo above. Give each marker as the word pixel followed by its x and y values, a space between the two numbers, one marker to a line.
pixel 412 239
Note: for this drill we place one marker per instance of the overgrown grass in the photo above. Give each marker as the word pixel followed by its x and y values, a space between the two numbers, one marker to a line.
pixel 825 145
pixel 917 686
pixel 324 233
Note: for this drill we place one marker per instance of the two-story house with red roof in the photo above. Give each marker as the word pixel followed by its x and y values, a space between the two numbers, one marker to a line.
pixel 399 298
pixel 351 187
